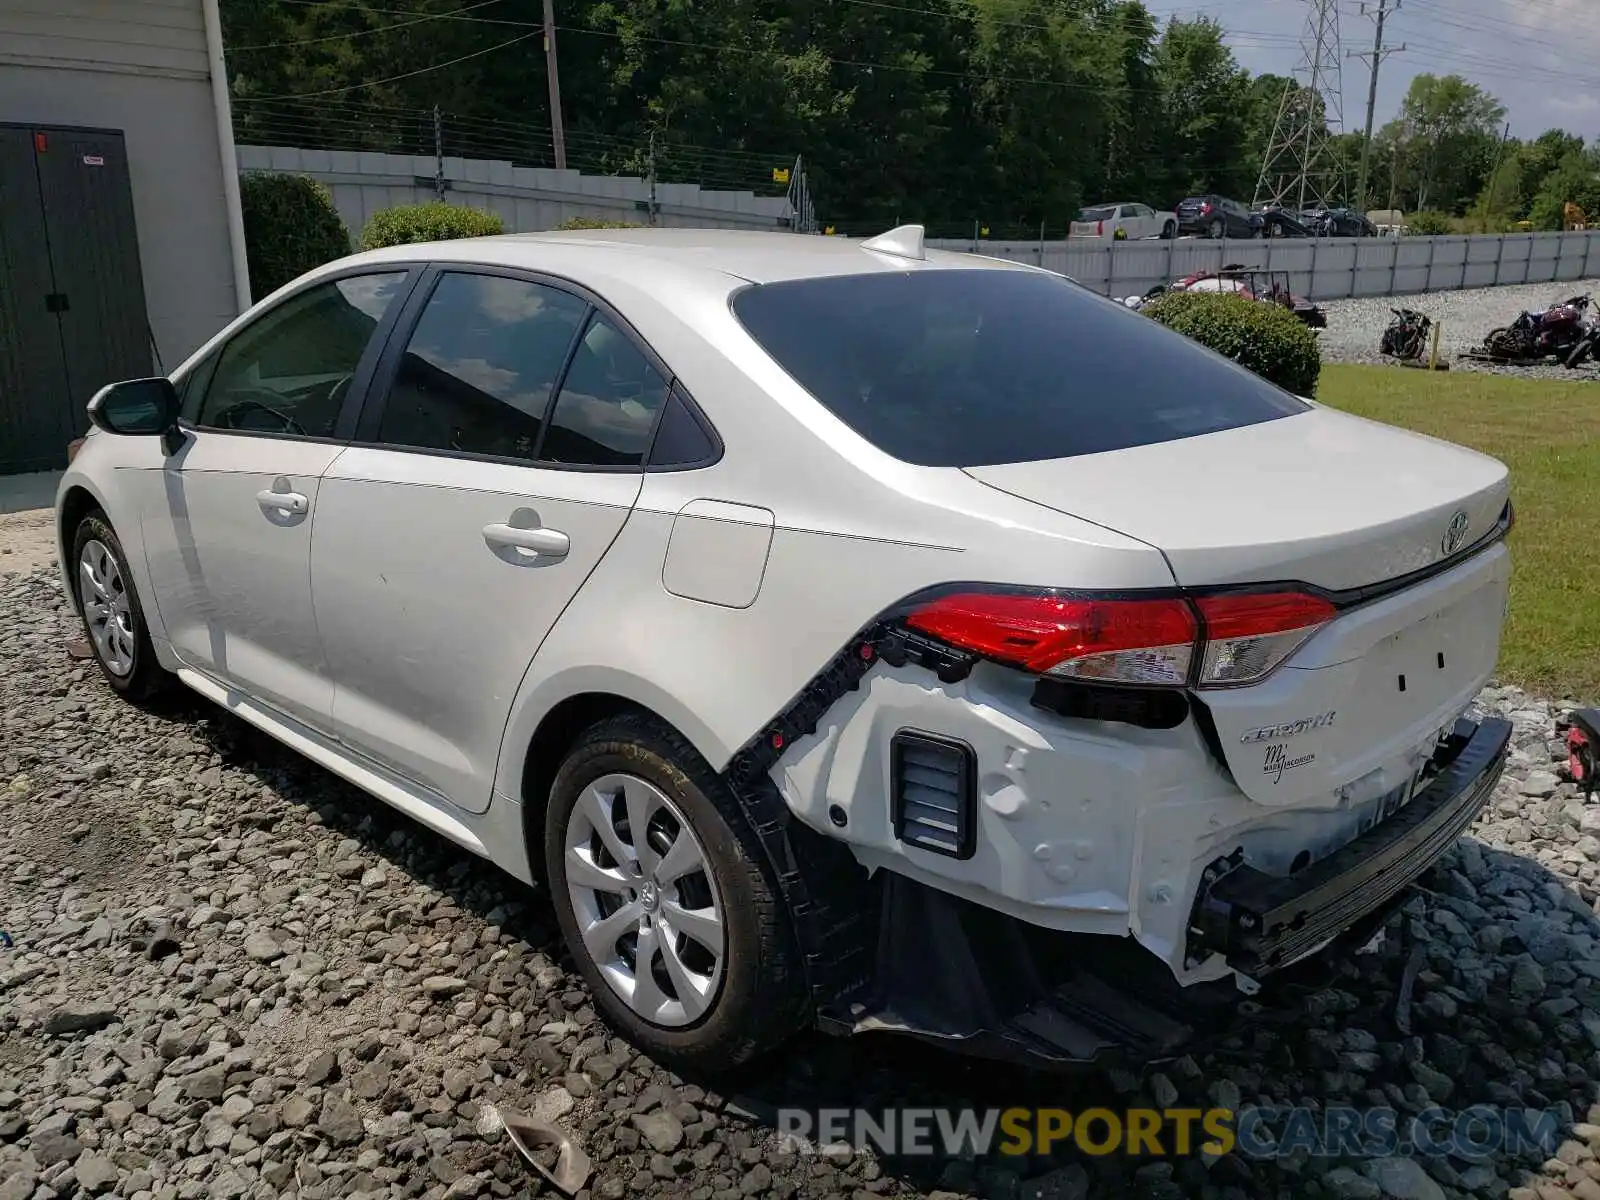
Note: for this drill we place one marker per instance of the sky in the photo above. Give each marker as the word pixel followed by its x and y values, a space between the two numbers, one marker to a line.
pixel 1540 58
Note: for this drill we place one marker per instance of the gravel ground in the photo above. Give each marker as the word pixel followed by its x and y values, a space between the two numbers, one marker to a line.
pixel 27 540
pixel 1356 326
pixel 233 976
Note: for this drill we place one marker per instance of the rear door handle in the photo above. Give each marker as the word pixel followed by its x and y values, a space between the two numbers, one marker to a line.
pixel 551 542
pixel 292 503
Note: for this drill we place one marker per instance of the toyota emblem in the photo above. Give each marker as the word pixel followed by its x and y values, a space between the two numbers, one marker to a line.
pixel 1455 534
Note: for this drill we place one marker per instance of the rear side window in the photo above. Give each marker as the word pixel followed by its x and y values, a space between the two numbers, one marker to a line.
pixel 608 403
pixel 966 368
pixel 1097 214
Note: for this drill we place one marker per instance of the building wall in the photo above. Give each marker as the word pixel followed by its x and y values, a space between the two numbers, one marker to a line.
pixel 138 66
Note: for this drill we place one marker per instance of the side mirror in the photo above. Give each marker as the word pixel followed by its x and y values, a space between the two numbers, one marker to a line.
pixel 137 407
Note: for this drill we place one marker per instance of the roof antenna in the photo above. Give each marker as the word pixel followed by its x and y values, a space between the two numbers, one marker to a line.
pixel 903 241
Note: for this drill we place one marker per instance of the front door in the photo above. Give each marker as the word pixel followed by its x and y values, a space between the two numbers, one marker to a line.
pixel 506 457
pixel 228 520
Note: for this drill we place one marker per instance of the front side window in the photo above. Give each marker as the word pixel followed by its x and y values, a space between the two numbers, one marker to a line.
pixel 966 368
pixel 288 372
pixel 608 403
pixel 479 368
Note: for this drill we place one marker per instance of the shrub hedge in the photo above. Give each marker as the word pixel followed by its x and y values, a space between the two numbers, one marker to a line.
pixel 290 226
pixel 1268 339
pixel 431 222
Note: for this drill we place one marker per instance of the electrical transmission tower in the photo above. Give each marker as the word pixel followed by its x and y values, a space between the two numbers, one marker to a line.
pixel 1299 170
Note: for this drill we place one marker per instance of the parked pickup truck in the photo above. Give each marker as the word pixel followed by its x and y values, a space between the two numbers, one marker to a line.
pixel 1122 221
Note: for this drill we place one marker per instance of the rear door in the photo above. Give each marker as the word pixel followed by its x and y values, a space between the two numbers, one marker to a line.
pixel 501 457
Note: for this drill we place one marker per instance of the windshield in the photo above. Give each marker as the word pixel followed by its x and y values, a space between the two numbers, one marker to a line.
pixel 966 368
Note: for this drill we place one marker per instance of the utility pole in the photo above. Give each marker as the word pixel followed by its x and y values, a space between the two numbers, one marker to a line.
pixel 438 154
pixel 1374 59
pixel 554 77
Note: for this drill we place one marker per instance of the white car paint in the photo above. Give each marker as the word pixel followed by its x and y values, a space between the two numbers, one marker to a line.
pixel 1133 220
pixel 384 635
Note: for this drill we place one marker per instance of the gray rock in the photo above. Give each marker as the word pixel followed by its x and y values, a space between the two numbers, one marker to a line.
pixel 1402 1179
pixel 78 1020
pixel 322 1068
pixel 95 1174
pixel 296 1111
pixel 442 987
pixel 370 1082
pixel 1342 1183
pixel 1527 980
pixel 206 1085
pixel 339 1122
pixel 53 1146
pixel 660 1129
pixel 262 946
pixel 1164 1091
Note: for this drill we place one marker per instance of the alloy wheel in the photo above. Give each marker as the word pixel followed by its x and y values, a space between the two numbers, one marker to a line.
pixel 107 607
pixel 645 900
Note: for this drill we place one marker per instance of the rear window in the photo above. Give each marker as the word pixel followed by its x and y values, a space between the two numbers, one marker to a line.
pixel 967 368
pixel 1097 214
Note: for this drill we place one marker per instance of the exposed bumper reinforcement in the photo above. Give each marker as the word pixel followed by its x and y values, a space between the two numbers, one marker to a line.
pixel 1262 922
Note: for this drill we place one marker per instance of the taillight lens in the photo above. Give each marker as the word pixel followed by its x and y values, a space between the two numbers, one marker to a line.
pixel 1110 641
pixel 1205 208
pixel 1244 638
pixel 1248 636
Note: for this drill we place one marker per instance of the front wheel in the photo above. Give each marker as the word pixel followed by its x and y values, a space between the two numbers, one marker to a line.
pixel 1169 231
pixel 1217 229
pixel 1580 353
pixel 664 901
pixel 112 615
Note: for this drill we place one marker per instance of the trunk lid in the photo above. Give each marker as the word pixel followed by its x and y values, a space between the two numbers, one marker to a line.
pixel 1341 504
pixel 1319 497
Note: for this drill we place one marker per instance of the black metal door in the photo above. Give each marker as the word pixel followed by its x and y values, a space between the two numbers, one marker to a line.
pixel 72 312
pixel 35 414
pixel 94 252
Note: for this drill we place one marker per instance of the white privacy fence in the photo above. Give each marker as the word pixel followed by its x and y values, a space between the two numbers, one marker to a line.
pixel 1319 268
pixel 528 199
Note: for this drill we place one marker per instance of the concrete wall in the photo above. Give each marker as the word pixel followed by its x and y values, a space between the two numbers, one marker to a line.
pixel 138 66
pixel 1319 268
pixel 528 198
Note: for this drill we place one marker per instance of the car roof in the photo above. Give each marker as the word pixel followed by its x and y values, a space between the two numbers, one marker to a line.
pixel 753 256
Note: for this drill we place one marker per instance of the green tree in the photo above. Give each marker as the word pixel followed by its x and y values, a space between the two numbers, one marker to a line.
pixel 1449 129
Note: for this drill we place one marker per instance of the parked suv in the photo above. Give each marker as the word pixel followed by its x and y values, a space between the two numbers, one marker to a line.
pixel 840 631
pixel 1122 221
pixel 1214 217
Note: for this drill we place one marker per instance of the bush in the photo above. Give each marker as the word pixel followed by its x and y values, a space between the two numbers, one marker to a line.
pixel 1425 224
pixel 435 221
pixel 290 226
pixel 1268 339
pixel 595 223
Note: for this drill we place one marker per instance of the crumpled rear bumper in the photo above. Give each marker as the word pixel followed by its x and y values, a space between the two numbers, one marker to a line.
pixel 1261 922
pixel 980 982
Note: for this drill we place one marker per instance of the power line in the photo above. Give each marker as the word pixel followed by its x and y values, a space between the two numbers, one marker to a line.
pixel 396 78
pixel 356 33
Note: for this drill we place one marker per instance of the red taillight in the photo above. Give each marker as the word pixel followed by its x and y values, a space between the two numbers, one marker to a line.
pixel 1122 641
pixel 1205 208
pixel 1248 636
pixel 1099 228
pixel 1245 637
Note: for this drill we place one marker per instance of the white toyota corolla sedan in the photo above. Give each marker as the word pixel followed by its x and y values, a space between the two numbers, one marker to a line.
pixel 844 632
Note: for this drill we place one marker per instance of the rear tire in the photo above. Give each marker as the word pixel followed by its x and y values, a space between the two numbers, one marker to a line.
pixel 1169 231
pixel 1580 354
pixel 693 1004
pixel 1216 229
pixel 112 616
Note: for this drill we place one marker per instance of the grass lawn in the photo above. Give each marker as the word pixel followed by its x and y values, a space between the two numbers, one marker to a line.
pixel 1548 433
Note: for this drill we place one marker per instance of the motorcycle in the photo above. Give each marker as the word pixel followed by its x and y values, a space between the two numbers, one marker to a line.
pixel 1407 335
pixel 1585 347
pixel 1537 335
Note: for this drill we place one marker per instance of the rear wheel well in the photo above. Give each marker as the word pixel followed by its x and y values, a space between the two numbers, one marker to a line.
pixel 557 732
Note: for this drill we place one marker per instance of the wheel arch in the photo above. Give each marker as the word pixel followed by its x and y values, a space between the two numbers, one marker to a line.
pixel 76 502
pixel 541 734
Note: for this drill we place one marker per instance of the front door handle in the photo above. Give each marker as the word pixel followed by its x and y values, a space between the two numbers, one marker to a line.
pixel 550 542
pixel 292 503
